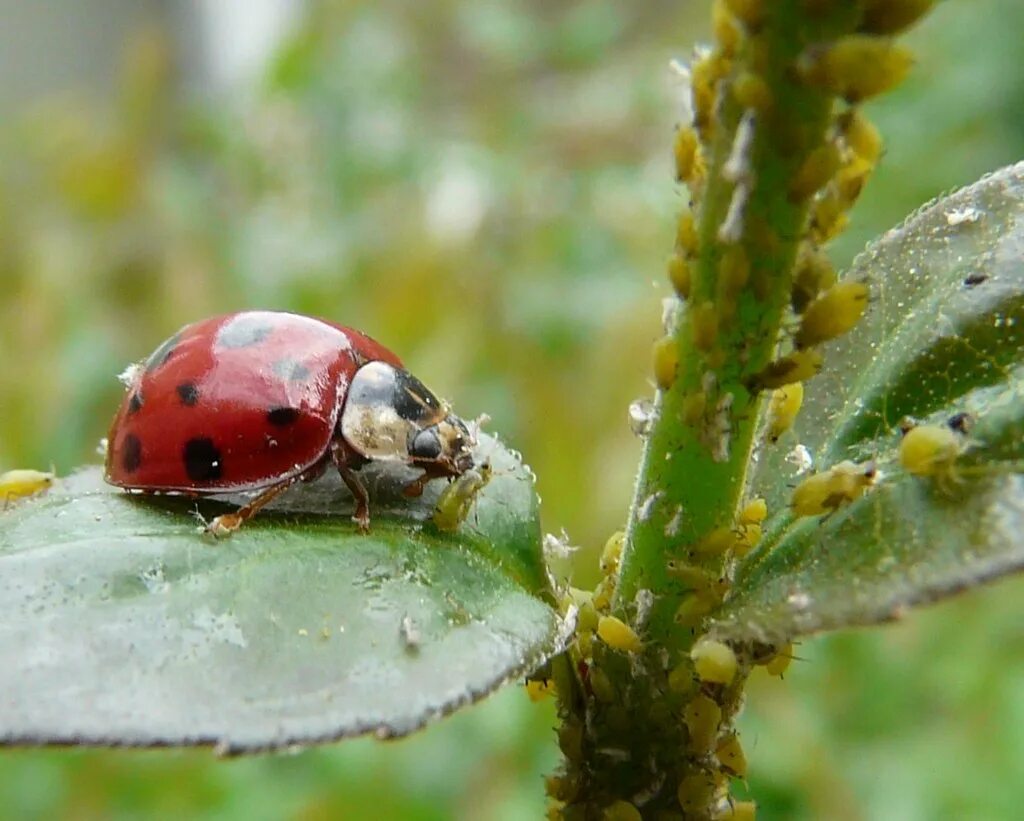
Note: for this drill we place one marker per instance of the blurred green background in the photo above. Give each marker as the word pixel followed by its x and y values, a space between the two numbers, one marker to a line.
pixel 486 187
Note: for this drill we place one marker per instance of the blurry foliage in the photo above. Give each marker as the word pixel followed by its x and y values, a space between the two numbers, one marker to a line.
pixel 485 187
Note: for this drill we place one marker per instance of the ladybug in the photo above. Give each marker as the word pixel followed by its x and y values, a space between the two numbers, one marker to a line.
pixel 260 400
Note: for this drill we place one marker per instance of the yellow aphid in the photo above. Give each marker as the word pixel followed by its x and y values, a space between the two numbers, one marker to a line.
pixel 738 811
pixel 831 489
pixel 832 314
pixel 753 512
pixel 666 360
pixel 730 755
pixel 780 662
pixel 813 274
pixel 618 635
pixel 851 178
pixel 686 148
pixel 783 409
pixel 816 170
pixel 457 498
pixel 748 12
pixel 893 16
pixel 570 740
pixel 714 661
pixel 693 407
pixel 752 92
pixel 22 483
pixel 540 690
pixel 695 792
pixel 716 541
pixel 704 322
pixel 603 593
pixel 828 215
pixel 861 135
pixel 733 270
pixel 694 608
pixel 798 366
pixel 680 678
pixel 705 73
pixel 702 717
pixel 857 66
pixel 687 240
pixel 723 24
pixel 930 450
pixel 679 275
pixel 746 539
pixel 612 553
pixel 690 575
pixel 561 788
pixel 621 811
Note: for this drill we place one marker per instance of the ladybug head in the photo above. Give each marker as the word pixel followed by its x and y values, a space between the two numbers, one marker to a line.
pixel 389 415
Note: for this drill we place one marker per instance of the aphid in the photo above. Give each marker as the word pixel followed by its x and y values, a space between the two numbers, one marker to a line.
pixel 730 755
pixel 704 324
pixel 618 635
pixel 694 608
pixel 749 12
pixel 856 67
pixel 851 178
pixel 828 215
pixel 714 661
pixel 687 240
pixel 892 16
pixel 702 717
pixel 738 811
pixel 665 354
pixel 679 275
pixel 746 539
pixel 733 270
pixel 455 501
pixel 779 663
pixel 621 811
pixel 798 366
pixel 816 170
pixel 540 689
pixel 611 553
pixel 260 400
pixel 752 92
pixel 831 489
pixel 753 512
pixel 724 27
pixel 832 314
pixel 695 792
pixel 812 275
pixel 686 148
pixel 783 409
pixel 860 135
pixel 931 450
pixel 22 483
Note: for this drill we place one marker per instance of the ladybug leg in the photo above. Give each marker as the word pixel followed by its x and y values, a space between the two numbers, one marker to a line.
pixel 347 462
pixel 228 523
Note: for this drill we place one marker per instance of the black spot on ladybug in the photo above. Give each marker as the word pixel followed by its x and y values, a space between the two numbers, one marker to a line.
pixel 243 331
pixel 291 370
pixel 280 417
pixel 974 279
pixel 162 354
pixel 131 453
pixel 188 393
pixel 135 402
pixel 202 460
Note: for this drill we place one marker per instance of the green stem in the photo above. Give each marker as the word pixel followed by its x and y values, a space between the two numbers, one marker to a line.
pixel 692 475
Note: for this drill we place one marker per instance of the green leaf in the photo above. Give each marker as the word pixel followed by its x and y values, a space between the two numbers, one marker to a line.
pixel 944 335
pixel 123 625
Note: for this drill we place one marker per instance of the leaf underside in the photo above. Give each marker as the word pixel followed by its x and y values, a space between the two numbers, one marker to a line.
pixel 124 626
pixel 944 335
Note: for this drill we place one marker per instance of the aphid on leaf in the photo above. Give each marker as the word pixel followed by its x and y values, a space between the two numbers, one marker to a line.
pixel 455 501
pixel 832 314
pixel 783 409
pixel 932 450
pixel 618 635
pixel 798 366
pixel 260 400
pixel 714 661
pixel 831 489
pixel 22 483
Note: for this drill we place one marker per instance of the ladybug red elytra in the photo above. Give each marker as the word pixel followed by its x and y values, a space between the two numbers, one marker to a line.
pixel 260 400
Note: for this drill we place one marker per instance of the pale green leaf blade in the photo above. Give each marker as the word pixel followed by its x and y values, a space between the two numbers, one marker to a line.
pixel 124 626
pixel 944 335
